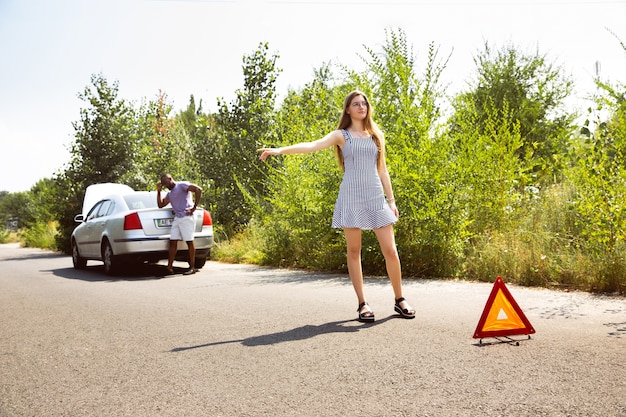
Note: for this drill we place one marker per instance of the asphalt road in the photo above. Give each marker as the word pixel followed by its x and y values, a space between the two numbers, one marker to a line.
pixel 237 340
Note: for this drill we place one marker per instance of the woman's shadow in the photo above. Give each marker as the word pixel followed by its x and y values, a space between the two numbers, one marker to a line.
pixel 299 333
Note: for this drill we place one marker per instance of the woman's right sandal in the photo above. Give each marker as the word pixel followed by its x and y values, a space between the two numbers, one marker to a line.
pixel 367 315
pixel 407 313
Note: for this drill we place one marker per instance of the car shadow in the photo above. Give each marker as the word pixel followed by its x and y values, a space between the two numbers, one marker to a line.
pixel 95 273
pixel 300 333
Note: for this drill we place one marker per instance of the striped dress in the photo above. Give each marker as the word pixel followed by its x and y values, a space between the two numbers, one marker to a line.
pixel 361 202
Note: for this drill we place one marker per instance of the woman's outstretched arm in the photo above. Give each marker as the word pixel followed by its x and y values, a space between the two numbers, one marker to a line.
pixel 333 138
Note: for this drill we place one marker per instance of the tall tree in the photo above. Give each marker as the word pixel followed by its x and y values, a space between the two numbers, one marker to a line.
pixel 14 207
pixel 239 129
pixel 164 145
pixel 194 126
pixel 105 145
pixel 104 150
pixel 302 189
pixel 407 104
pixel 600 170
pixel 533 91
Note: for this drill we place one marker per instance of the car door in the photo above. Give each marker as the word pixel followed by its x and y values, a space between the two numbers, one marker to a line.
pixel 95 225
pixel 84 234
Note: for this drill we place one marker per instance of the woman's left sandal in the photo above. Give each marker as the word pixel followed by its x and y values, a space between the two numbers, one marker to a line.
pixel 366 316
pixel 407 313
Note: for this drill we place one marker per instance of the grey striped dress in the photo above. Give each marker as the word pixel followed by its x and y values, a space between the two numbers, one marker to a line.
pixel 361 202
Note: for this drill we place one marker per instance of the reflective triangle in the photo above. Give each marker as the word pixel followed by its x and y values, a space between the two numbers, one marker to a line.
pixel 502 316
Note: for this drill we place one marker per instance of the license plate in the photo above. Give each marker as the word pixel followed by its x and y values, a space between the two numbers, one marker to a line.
pixel 164 222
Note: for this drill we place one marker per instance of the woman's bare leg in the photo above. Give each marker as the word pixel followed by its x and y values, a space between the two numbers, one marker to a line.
pixel 387 242
pixel 355 270
pixel 353 254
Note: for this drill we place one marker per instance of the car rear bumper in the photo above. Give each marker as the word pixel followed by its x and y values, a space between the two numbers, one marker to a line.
pixel 139 245
pixel 154 257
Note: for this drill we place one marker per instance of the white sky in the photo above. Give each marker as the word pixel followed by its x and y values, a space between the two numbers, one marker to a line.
pixel 50 48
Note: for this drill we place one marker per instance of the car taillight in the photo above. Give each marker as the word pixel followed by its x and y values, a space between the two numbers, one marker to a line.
pixel 206 219
pixel 132 222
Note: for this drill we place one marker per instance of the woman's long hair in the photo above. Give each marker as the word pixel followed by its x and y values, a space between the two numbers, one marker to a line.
pixel 368 124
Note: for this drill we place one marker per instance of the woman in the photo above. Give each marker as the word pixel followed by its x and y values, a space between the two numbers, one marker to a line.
pixel 361 205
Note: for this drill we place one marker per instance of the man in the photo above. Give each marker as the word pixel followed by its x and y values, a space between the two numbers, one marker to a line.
pixel 184 224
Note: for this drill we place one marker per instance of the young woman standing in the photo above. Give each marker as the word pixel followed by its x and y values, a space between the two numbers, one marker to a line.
pixel 365 200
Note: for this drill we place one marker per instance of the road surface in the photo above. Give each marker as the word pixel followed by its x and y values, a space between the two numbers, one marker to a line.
pixel 240 340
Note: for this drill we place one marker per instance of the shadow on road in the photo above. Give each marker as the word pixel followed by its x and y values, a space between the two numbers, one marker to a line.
pixel 501 340
pixel 95 273
pixel 299 333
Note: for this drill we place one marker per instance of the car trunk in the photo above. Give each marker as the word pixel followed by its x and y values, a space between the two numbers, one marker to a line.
pixel 158 222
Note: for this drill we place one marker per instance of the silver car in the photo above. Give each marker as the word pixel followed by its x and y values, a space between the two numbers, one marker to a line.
pixel 128 227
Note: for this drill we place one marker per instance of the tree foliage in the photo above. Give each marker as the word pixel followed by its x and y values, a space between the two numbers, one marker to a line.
pixel 599 172
pixel 167 143
pixel 106 138
pixel 532 90
pixel 302 188
pixel 407 105
pixel 104 150
pixel 237 131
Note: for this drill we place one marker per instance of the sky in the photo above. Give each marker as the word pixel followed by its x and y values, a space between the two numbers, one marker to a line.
pixel 49 49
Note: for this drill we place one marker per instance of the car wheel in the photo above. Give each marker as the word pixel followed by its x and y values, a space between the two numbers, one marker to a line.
pixel 199 263
pixel 110 263
pixel 78 261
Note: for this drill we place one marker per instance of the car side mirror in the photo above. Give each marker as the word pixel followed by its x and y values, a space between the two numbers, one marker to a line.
pixel 79 218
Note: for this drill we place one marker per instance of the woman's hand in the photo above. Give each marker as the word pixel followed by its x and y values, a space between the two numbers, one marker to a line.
pixel 394 209
pixel 265 152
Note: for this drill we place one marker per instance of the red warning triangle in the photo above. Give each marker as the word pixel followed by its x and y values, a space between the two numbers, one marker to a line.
pixel 502 316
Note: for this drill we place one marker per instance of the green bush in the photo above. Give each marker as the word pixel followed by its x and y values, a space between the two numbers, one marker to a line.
pixel 242 248
pixel 41 235
pixel 8 236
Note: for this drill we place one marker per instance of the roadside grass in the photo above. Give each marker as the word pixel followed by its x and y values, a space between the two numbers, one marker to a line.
pixel 245 247
pixel 541 246
pixel 541 249
pixel 525 258
pixel 40 235
pixel 9 236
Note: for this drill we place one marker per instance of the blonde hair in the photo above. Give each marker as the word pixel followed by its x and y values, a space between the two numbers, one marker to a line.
pixel 368 124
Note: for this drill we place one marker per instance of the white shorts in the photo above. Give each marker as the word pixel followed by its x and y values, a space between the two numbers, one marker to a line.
pixel 182 228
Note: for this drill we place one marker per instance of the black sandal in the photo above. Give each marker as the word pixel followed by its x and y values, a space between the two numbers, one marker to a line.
pixel 407 313
pixel 366 316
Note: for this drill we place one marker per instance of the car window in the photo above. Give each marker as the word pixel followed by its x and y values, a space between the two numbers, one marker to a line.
pixel 94 210
pixel 139 201
pixel 105 208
